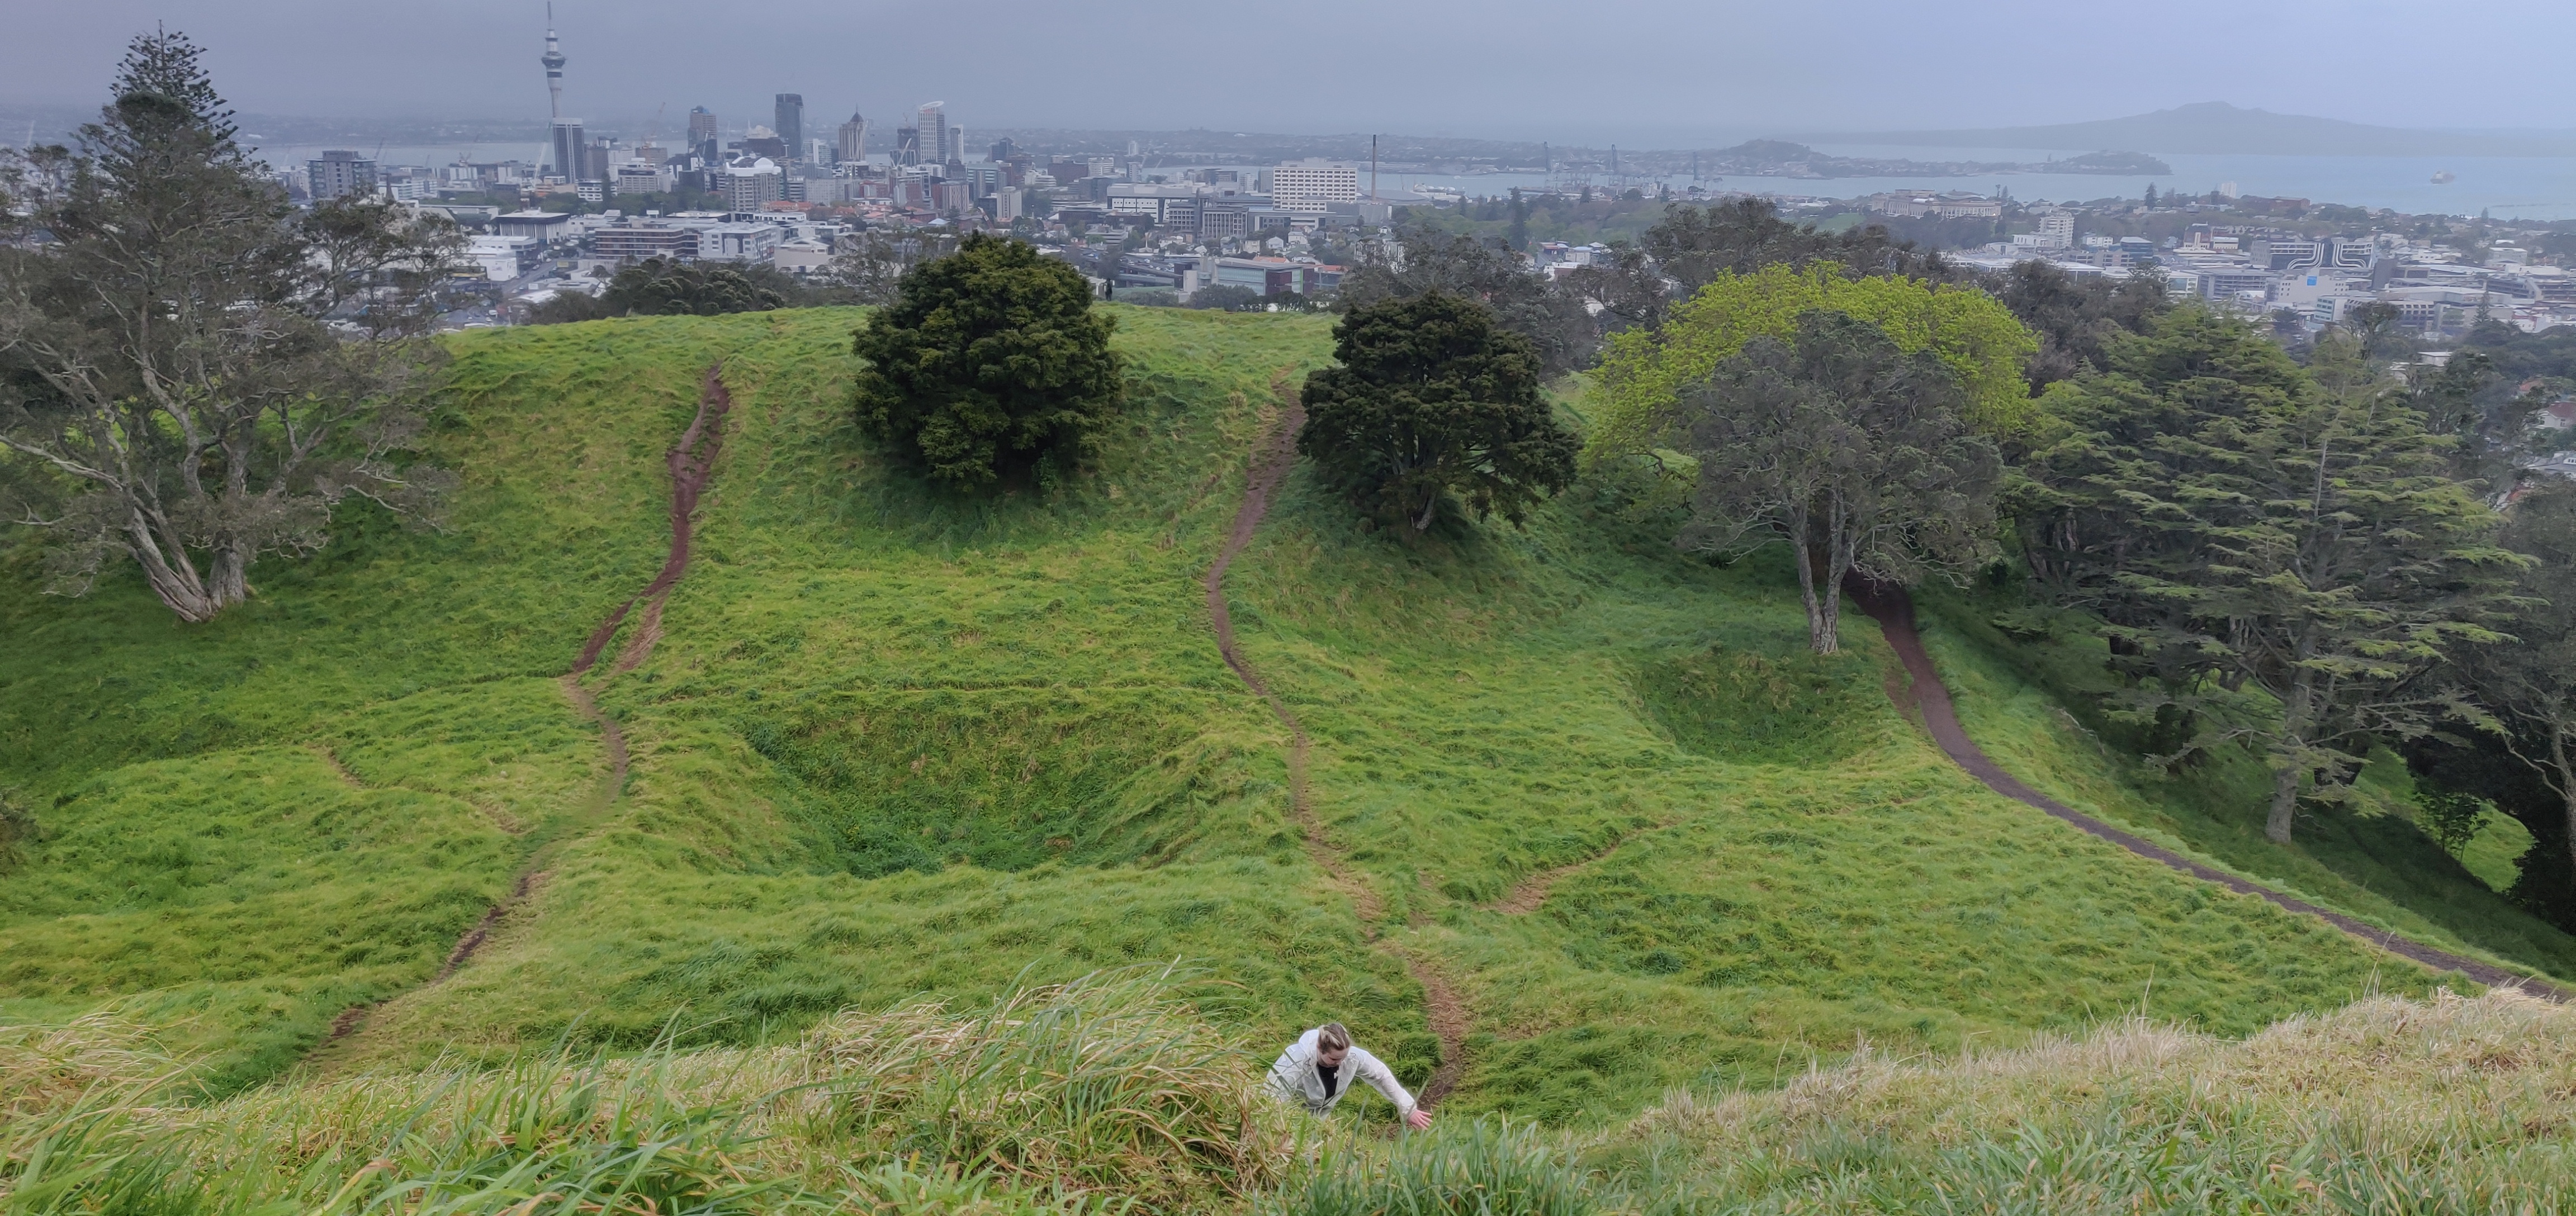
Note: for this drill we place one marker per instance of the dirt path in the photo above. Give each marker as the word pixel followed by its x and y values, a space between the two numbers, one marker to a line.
pixel 1442 1007
pixel 691 463
pixel 1894 611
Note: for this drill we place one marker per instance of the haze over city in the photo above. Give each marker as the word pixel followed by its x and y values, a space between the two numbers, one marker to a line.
pixel 1655 73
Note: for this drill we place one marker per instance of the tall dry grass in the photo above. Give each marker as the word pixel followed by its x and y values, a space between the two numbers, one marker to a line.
pixel 1105 1092
pixel 2389 1105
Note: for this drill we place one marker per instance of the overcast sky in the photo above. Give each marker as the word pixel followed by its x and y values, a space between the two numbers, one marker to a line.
pixel 1640 72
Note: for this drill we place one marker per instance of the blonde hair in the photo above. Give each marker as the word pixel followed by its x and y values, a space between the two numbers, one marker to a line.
pixel 1331 1037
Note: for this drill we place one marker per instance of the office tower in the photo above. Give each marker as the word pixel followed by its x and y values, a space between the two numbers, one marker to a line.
pixel 791 122
pixel 568 149
pixel 338 173
pixel 933 125
pixel 702 134
pixel 1004 149
pixel 854 139
pixel 955 149
pixel 907 145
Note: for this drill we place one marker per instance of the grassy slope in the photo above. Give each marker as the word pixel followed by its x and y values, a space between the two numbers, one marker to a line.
pixel 894 742
pixel 2369 861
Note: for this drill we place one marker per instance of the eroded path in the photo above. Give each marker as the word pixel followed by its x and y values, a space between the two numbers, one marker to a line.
pixel 1894 611
pixel 1443 1008
pixel 691 462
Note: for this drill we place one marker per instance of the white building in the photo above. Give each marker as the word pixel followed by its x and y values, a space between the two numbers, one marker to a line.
pixel 504 258
pixel 739 242
pixel 746 187
pixel 1313 184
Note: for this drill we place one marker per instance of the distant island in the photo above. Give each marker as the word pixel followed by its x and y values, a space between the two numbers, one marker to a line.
pixel 2217 128
pixel 1781 158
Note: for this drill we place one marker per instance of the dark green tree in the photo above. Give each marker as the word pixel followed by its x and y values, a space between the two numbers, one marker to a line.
pixel 1696 244
pixel 2076 318
pixel 2252 526
pixel 1853 453
pixel 192 372
pixel 1560 329
pixel 2518 749
pixel 1519 232
pixel 1432 398
pixel 988 361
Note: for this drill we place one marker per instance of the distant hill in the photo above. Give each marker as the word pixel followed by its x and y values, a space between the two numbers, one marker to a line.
pixel 2215 127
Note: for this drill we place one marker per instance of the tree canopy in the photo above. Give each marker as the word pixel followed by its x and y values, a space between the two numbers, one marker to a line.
pixel 2239 521
pixel 1847 449
pixel 990 359
pixel 1697 245
pixel 1432 398
pixel 1635 407
pixel 192 372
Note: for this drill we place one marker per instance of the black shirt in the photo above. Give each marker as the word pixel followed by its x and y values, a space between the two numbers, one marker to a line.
pixel 1326 1071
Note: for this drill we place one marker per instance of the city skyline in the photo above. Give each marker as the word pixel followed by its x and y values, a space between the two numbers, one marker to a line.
pixel 1637 71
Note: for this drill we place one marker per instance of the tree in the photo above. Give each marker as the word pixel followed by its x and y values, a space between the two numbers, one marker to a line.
pixel 1432 398
pixel 2083 532
pixel 192 373
pixel 988 360
pixel 1518 237
pixel 1426 259
pixel 2294 534
pixel 2518 749
pixel 1744 236
pixel 1225 297
pixel 873 263
pixel 1851 451
pixel 2076 318
pixel 1635 405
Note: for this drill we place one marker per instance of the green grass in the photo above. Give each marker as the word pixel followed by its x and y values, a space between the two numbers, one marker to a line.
pixel 2367 858
pixel 896 742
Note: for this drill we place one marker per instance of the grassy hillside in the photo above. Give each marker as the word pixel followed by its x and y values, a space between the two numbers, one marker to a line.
pixel 892 742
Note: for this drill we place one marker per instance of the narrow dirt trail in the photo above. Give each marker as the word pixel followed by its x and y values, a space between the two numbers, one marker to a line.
pixel 1442 1007
pixel 692 464
pixel 1894 611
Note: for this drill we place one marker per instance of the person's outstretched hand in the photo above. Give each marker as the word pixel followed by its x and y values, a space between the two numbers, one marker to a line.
pixel 1419 1119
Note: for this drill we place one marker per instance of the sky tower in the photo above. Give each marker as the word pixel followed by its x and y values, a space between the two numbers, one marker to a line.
pixel 571 152
pixel 554 62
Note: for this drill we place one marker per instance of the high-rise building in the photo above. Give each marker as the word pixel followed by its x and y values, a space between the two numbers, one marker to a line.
pixel 747 186
pixel 338 173
pixel 569 150
pixel 702 134
pixel 933 125
pixel 1004 149
pixel 956 147
pixel 791 122
pixel 854 139
pixel 1312 184
pixel 907 145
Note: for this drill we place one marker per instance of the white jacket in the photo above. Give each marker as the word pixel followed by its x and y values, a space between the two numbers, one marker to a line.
pixel 1294 1077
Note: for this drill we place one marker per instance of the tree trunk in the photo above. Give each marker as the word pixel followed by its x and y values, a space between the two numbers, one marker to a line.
pixel 2286 758
pixel 2566 782
pixel 175 582
pixel 1429 509
pixel 1816 628
pixel 2285 802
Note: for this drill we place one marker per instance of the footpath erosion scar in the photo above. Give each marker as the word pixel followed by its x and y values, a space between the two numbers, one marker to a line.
pixel 1894 611
pixel 691 462
pixel 1443 1008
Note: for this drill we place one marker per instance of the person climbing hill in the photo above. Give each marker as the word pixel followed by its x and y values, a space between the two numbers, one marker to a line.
pixel 1318 1068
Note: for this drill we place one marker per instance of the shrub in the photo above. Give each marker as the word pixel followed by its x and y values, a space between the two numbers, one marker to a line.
pixel 989 359
pixel 1432 398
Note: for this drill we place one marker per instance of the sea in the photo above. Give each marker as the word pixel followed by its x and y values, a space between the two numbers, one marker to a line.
pixel 2519 188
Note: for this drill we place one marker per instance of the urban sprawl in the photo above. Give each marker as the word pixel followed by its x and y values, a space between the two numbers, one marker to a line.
pixel 793 193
